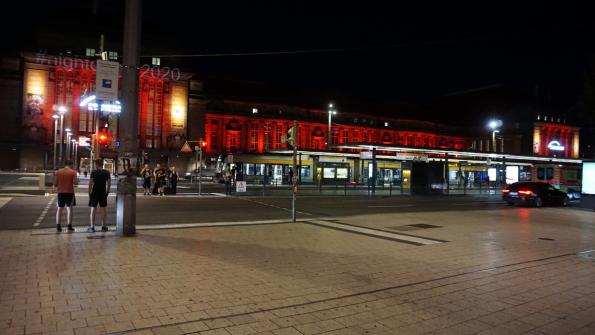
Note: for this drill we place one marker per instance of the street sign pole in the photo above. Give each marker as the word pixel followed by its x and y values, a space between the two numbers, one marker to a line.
pixel 128 132
pixel 200 173
pixel 294 178
pixel 196 164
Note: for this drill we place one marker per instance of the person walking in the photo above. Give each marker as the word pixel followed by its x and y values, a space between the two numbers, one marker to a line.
pixel 173 179
pixel 146 174
pixel 99 187
pixel 160 178
pixel 64 181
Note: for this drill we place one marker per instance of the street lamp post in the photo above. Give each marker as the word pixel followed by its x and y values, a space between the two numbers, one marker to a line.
pixel 68 143
pixel 55 117
pixel 494 125
pixel 61 111
pixel 331 112
pixel 74 153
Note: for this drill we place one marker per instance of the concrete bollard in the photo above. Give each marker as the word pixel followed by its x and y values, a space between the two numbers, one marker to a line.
pixel 126 196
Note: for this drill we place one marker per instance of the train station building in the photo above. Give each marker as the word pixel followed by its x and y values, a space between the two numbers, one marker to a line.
pixel 246 130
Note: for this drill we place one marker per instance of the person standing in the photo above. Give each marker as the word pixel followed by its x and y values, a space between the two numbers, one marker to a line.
pixel 99 187
pixel 173 179
pixel 64 181
pixel 160 178
pixel 290 174
pixel 146 174
pixel 227 179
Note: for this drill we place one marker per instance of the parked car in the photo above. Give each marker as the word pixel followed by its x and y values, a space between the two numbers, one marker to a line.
pixel 534 193
pixel 573 194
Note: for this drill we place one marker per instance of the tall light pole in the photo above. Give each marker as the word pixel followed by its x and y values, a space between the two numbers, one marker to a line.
pixel 61 111
pixel 74 153
pixel 55 117
pixel 494 125
pixel 331 112
pixel 68 135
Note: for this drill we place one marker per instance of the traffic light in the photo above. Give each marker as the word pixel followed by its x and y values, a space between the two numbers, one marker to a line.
pixel 291 137
pixel 102 137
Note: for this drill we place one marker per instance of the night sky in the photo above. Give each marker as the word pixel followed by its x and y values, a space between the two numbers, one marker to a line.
pixel 395 52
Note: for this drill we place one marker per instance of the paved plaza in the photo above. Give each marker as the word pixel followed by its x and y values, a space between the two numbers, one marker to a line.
pixel 457 268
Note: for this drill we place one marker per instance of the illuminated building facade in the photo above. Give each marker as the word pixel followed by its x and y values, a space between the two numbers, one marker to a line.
pixel 53 82
pixel 555 139
pixel 258 134
pixel 173 109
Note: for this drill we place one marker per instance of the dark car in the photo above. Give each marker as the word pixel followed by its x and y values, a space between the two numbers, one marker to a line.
pixel 534 193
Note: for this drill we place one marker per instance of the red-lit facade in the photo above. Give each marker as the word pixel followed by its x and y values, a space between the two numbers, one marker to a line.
pixel 253 134
pixel 53 81
pixel 555 139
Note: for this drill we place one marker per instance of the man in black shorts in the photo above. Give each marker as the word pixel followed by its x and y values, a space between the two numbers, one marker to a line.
pixel 99 187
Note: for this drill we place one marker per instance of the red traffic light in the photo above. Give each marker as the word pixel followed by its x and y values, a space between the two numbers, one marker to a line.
pixel 102 137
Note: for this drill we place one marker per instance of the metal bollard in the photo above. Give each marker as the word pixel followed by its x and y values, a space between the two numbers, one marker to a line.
pixel 126 218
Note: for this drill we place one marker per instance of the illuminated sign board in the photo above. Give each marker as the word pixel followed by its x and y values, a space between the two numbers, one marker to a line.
pixel 107 107
pixel 106 83
pixel 555 146
pixel 179 106
pixel 492 174
pixel 84 141
pixel 589 178
pixel 512 174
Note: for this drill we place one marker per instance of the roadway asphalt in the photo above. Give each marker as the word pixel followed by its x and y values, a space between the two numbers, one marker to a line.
pixel 39 211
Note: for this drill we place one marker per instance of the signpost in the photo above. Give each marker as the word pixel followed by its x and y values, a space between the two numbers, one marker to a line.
pixel 186 148
pixel 198 160
pixel 240 186
pixel 106 80
pixel 292 140
pixel 198 150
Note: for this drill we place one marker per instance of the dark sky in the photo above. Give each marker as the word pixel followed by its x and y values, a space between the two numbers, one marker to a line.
pixel 398 52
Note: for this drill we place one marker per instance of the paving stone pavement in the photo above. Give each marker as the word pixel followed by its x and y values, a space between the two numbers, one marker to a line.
pixel 494 275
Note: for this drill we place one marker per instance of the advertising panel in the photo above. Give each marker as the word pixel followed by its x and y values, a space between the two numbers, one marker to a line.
pixel 492 174
pixel 589 178
pixel 512 174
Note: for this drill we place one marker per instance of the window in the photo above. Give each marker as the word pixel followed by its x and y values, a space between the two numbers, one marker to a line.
pixel 549 173
pixel 113 55
pixel 545 173
pixel 156 61
pixel 259 169
pixel 305 170
pixel 328 173
pixel 278 135
pixel 342 173
pixel 250 169
pixel 253 137
pixel 335 139
pixel 233 140
pixel 90 52
pixel 267 136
